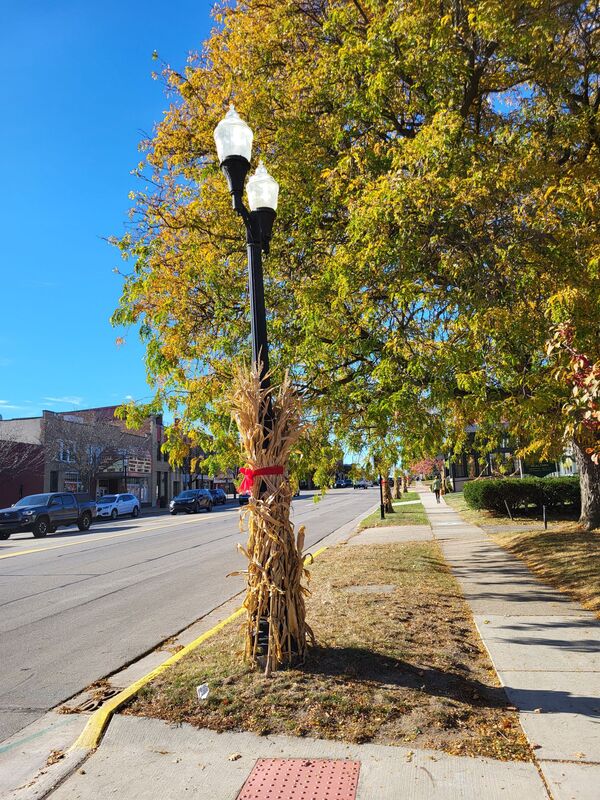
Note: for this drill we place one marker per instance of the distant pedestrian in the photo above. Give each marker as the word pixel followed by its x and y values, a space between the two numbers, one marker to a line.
pixel 436 487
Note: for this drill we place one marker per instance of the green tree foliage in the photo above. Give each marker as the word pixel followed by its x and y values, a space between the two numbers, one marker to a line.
pixel 438 164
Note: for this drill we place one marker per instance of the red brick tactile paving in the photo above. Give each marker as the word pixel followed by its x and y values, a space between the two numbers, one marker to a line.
pixel 301 779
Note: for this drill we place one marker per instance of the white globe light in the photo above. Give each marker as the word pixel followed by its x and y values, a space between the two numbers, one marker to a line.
pixel 262 189
pixel 233 137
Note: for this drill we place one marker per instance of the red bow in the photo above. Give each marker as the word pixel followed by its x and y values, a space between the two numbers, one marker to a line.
pixel 250 474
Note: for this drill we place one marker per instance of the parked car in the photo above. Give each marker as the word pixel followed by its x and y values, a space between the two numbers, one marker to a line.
pixel 243 498
pixel 116 505
pixel 218 495
pixel 191 501
pixel 361 484
pixel 44 513
pixel 343 483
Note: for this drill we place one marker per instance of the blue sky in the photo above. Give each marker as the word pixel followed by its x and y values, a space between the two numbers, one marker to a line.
pixel 76 98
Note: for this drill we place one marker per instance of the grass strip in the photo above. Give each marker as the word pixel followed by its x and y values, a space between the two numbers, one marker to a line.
pixel 567 559
pixel 398 661
pixel 402 515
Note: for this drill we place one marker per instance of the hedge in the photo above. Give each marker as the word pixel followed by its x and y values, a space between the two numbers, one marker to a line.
pixel 492 494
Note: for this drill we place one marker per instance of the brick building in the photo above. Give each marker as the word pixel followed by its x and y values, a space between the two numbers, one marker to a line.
pixel 89 450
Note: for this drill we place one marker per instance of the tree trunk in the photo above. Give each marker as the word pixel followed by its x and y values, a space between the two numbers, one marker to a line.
pixel 397 491
pixel 589 477
pixel 405 483
pixel 387 496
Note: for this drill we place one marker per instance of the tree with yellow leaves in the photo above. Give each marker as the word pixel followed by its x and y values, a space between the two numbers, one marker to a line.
pixel 438 164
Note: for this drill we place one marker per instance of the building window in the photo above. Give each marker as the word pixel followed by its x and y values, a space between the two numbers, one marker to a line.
pixel 94 454
pixel 64 452
pixel 72 483
pixel 54 480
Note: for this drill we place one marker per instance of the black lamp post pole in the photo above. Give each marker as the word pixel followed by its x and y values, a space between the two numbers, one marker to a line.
pixel 258 315
pixel 259 224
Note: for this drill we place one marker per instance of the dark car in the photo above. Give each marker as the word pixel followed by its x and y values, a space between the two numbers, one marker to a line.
pixel 219 497
pixel 44 513
pixel 191 501
pixel 243 498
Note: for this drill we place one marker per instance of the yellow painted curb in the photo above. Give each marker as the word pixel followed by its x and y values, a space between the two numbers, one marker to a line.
pixel 318 553
pixel 90 736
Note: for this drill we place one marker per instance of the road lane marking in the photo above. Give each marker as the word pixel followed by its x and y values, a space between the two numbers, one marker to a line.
pixel 89 541
pixel 119 535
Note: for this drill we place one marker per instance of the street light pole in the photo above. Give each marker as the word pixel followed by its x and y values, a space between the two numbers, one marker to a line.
pixel 233 138
pixel 258 315
pixel 125 469
pixel 381 503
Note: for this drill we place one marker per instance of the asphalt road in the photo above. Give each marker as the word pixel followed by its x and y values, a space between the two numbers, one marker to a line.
pixel 76 607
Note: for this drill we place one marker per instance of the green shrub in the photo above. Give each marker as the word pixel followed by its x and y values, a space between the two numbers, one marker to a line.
pixel 496 494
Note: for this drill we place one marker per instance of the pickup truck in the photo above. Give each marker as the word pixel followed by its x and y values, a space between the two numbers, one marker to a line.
pixel 44 513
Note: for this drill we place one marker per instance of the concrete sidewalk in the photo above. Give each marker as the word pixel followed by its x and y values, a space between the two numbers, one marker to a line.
pixel 144 759
pixel 546 651
pixel 545 648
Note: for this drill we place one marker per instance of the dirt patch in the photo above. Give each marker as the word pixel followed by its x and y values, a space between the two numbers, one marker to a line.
pixel 568 559
pixel 405 667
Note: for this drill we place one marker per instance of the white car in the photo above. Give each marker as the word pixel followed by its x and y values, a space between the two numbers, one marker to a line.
pixel 116 505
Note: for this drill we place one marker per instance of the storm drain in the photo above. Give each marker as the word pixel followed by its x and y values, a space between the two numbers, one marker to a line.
pixel 92 703
pixel 301 779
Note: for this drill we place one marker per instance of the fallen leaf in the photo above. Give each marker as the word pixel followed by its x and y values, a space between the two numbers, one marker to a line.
pixel 235 756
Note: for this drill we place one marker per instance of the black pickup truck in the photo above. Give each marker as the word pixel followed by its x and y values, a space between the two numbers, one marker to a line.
pixel 44 513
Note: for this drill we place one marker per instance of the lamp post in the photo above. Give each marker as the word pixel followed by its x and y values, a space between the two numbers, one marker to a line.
pixel 233 138
pixel 381 503
pixel 124 457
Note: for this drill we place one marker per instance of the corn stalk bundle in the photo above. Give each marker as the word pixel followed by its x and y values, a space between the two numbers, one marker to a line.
pixel 276 629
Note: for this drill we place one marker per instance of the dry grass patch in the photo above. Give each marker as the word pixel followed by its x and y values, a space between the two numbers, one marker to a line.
pixel 398 661
pixel 568 559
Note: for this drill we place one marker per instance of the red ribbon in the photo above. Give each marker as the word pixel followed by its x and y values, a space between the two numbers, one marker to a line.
pixel 250 474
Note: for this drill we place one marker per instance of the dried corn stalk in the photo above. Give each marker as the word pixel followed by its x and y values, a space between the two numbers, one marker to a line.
pixel 275 596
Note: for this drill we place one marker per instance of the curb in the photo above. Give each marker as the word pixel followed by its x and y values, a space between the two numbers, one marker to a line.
pixel 90 737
